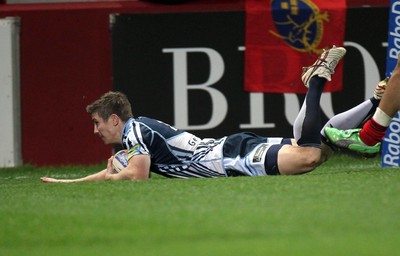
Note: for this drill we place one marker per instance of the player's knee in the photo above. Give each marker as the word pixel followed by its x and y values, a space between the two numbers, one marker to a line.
pixel 298 160
pixel 311 160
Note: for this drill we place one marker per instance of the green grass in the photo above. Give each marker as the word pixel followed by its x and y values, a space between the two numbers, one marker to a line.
pixel 348 206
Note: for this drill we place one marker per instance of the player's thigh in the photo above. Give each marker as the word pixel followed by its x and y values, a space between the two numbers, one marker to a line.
pixel 297 160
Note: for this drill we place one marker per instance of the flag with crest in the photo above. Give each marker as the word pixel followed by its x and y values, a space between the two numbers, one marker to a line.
pixel 282 36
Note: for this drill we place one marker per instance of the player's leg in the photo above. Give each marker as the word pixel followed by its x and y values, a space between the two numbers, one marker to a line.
pixel 306 129
pixel 390 102
pixel 297 160
pixel 367 140
pixel 357 115
pixel 315 77
pixel 308 154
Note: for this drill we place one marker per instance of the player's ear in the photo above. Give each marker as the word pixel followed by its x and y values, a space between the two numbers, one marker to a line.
pixel 115 119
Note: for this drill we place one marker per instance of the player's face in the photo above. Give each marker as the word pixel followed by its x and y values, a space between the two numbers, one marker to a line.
pixel 105 129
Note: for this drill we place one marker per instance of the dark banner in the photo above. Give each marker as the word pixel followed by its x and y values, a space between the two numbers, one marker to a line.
pixel 187 69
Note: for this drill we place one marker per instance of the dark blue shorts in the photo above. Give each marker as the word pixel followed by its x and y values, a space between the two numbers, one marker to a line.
pixel 247 154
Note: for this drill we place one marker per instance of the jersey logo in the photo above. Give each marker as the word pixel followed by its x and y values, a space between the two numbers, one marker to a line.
pixel 299 23
pixel 135 150
pixel 258 156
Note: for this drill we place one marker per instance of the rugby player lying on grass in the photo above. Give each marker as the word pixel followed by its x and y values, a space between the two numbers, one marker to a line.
pixel 158 147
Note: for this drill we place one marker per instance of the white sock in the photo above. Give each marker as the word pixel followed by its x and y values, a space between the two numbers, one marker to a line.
pixel 351 118
pixel 381 117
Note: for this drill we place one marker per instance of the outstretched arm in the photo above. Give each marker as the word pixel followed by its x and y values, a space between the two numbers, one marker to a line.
pixel 93 177
pixel 97 176
pixel 138 169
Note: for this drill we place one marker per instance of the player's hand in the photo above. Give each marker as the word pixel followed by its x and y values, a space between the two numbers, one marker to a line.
pixel 110 169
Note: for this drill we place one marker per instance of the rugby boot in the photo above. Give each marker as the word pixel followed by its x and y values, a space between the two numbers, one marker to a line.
pixel 380 88
pixel 324 66
pixel 351 140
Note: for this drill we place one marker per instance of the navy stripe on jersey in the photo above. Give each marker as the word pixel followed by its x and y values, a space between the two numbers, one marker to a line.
pixel 174 153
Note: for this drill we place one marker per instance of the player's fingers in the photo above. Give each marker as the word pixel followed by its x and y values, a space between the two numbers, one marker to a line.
pixel 45 179
pixel 109 164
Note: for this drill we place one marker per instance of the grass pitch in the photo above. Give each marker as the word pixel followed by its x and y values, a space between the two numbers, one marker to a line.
pixel 348 206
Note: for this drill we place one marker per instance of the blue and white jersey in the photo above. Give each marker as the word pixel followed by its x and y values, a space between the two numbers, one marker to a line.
pixel 174 153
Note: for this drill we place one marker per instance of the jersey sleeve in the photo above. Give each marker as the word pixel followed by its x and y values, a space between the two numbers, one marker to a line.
pixel 136 150
pixel 134 141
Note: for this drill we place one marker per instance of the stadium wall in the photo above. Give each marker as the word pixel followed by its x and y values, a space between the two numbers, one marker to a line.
pixel 66 63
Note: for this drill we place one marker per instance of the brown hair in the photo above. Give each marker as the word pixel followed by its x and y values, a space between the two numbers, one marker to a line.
pixel 111 103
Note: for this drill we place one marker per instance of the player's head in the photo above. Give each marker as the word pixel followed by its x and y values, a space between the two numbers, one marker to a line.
pixel 111 103
pixel 109 114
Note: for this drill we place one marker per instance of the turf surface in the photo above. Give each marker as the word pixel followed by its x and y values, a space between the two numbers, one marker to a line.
pixel 348 206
